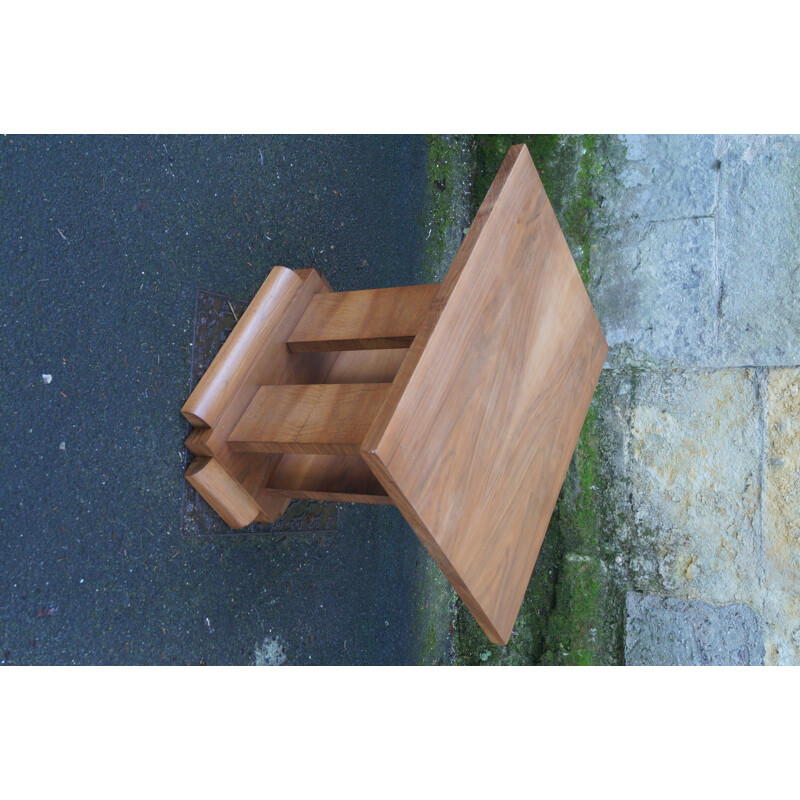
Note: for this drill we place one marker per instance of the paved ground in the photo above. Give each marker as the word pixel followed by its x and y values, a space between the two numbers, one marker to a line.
pixel 104 243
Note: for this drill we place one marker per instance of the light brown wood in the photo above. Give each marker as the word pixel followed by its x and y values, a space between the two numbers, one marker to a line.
pixel 363 320
pixel 366 366
pixel 197 442
pixel 469 430
pixel 474 440
pixel 312 419
pixel 339 478
pixel 271 363
pixel 257 356
pixel 221 492
pixel 304 274
pixel 344 479
pixel 257 325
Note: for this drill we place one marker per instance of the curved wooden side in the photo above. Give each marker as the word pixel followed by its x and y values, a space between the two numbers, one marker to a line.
pixel 221 380
pixel 222 492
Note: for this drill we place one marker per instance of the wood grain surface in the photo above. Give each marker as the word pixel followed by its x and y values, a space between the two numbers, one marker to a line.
pixel 221 492
pixel 474 439
pixel 255 354
pixel 362 320
pixel 257 325
pixel 312 419
pixel 460 402
pixel 366 366
pixel 342 479
pixel 334 478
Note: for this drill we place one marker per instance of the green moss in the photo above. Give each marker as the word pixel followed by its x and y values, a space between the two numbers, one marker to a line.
pixel 432 600
pixel 491 149
pixel 574 628
pixel 445 175
pixel 578 216
pixel 586 624
pixel 579 511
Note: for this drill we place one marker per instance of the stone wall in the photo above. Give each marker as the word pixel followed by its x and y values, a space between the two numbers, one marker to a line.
pixel 695 275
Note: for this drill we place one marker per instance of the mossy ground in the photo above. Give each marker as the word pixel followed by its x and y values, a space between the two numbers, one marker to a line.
pixel 448 207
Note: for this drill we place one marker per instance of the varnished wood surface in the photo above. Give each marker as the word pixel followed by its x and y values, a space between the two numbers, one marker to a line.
pixel 362 320
pixel 474 439
pixel 469 431
pixel 343 479
pixel 339 478
pixel 271 363
pixel 366 366
pixel 221 492
pixel 312 419
pixel 258 356
pixel 257 325
pixel 255 354
pixel 197 442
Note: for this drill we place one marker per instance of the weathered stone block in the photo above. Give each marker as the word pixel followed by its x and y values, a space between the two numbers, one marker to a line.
pixel 658 177
pixel 693 459
pixel 654 291
pixel 781 537
pixel 665 631
pixel 758 219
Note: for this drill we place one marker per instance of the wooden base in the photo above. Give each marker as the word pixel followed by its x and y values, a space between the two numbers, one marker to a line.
pixel 283 408
pixel 460 402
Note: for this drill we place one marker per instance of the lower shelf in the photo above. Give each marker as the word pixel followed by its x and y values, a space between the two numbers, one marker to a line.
pixel 344 479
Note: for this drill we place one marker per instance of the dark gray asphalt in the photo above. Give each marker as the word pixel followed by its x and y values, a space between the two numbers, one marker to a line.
pixel 103 244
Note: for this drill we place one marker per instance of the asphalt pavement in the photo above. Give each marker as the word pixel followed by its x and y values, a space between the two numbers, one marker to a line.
pixel 104 242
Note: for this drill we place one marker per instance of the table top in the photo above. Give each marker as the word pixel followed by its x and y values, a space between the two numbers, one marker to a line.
pixel 476 434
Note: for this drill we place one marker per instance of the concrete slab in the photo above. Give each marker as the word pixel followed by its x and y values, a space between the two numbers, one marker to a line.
pixel 665 631
pixel 758 223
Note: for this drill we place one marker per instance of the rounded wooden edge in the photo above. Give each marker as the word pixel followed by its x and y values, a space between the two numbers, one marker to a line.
pixel 213 390
pixel 193 419
pixel 221 492
pixel 196 465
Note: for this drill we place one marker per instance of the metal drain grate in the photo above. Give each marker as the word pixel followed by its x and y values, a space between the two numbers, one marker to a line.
pixel 214 318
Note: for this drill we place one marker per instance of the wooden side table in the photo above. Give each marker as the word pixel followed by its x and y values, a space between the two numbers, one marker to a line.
pixel 460 402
